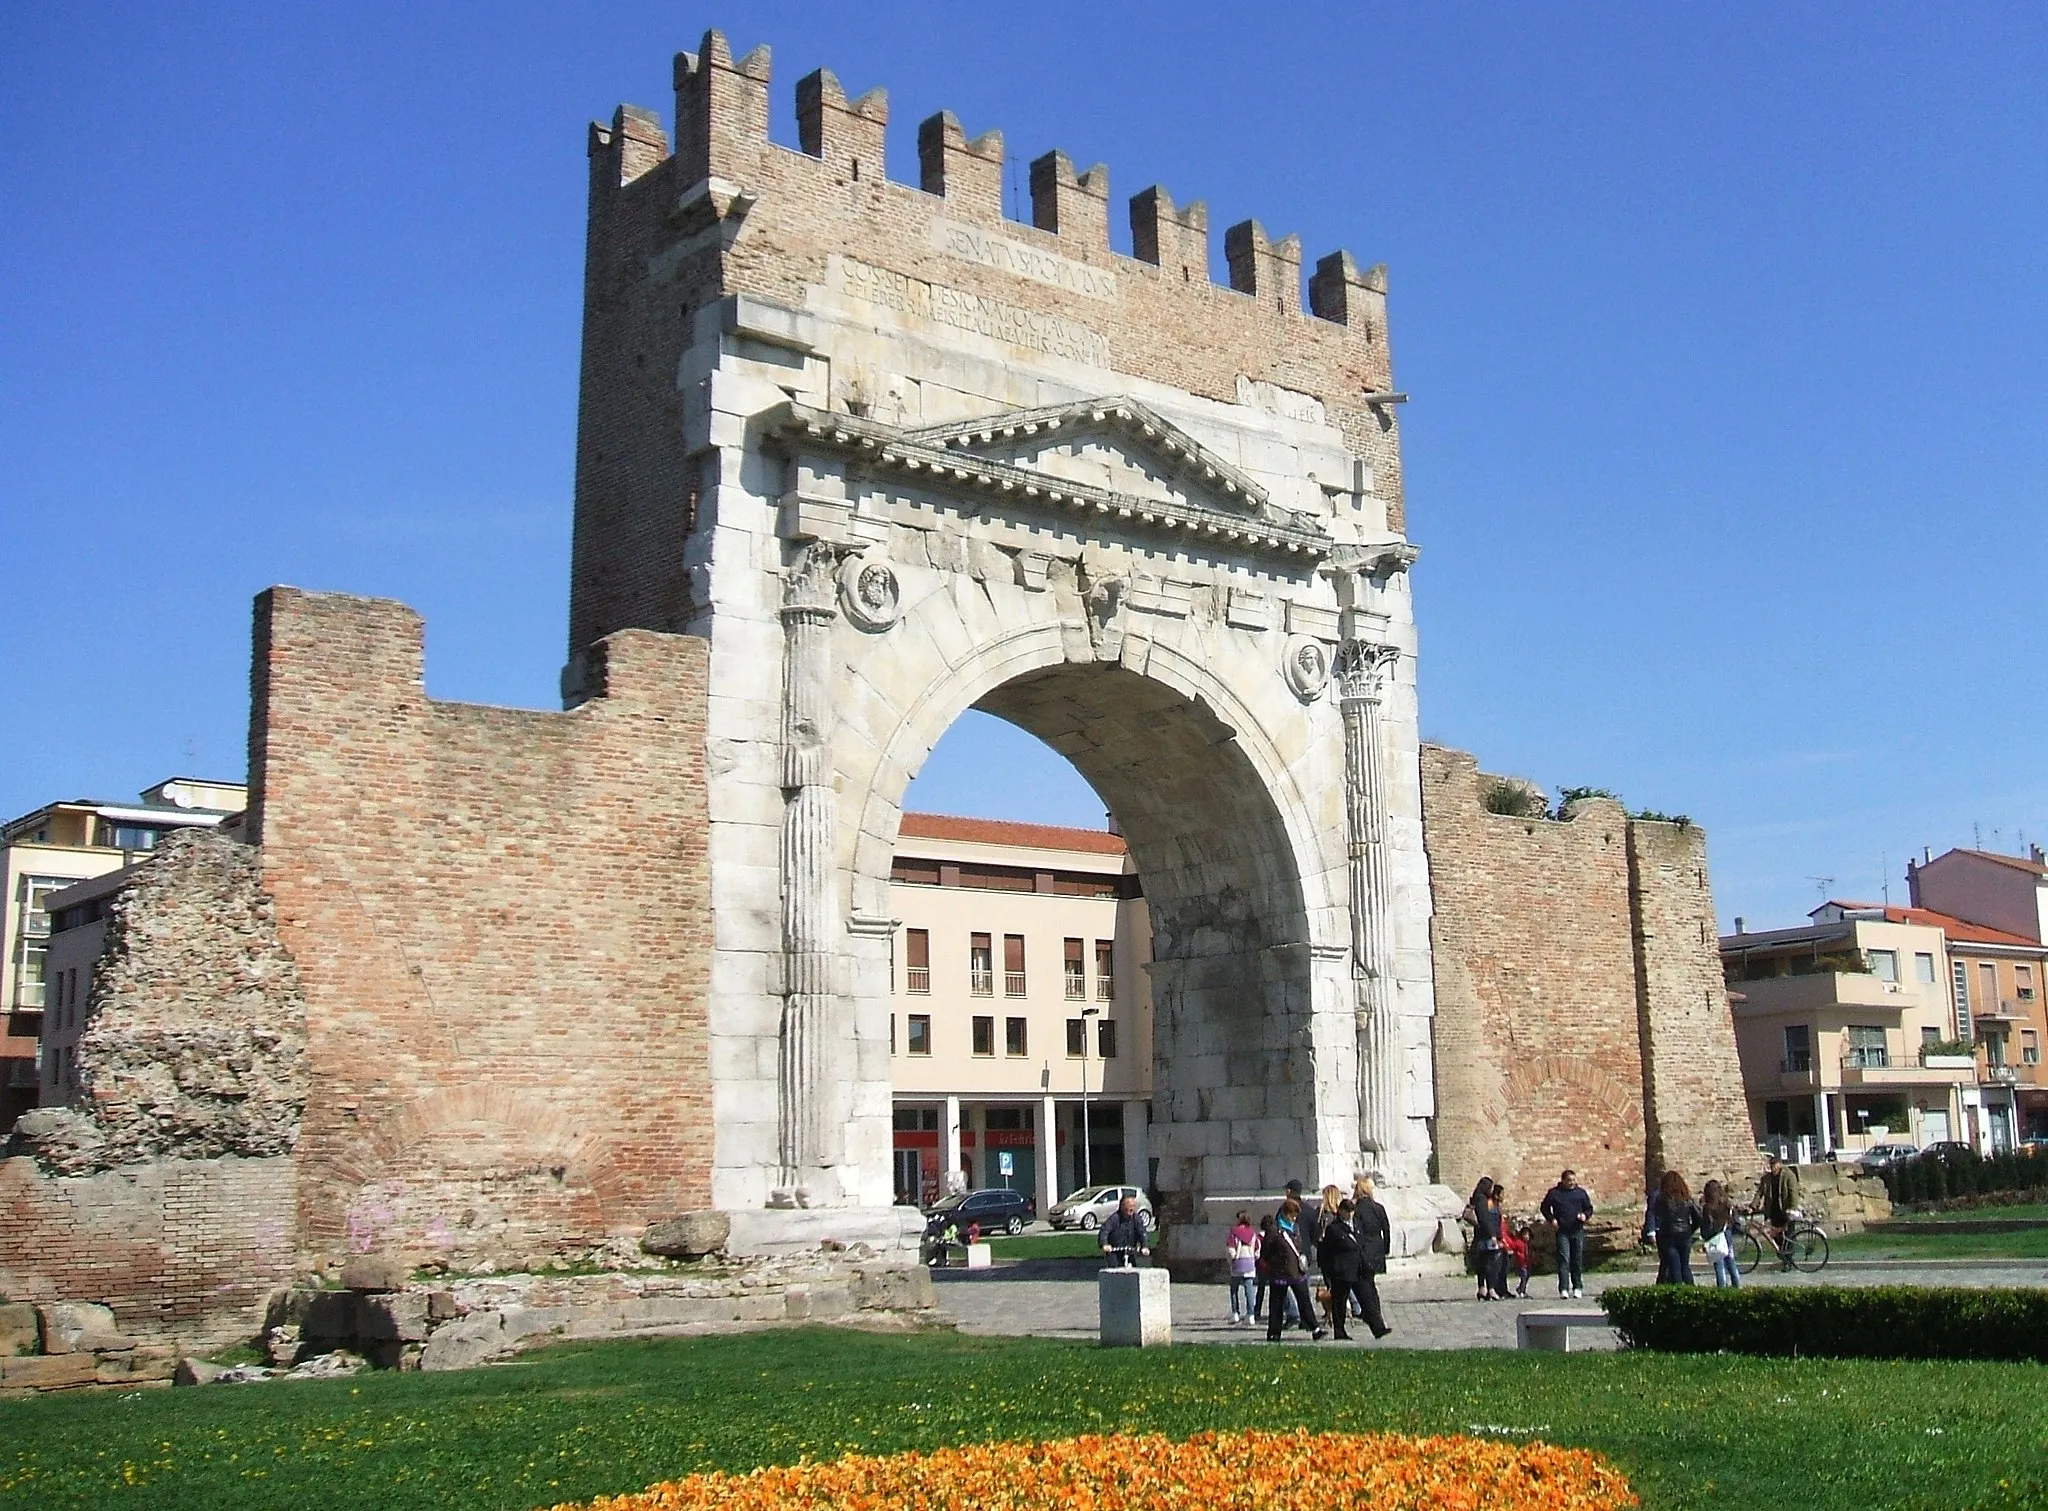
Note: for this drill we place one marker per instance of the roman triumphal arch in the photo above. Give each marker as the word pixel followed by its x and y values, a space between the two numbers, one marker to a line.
pixel 896 456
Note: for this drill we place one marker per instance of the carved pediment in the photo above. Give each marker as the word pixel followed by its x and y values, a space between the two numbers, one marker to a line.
pixel 1112 459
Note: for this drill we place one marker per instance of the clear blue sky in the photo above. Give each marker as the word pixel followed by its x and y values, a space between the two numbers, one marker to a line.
pixel 1724 326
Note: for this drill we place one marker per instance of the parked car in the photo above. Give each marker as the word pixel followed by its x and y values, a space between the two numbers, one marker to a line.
pixel 1877 1156
pixel 993 1209
pixel 1089 1208
pixel 1947 1149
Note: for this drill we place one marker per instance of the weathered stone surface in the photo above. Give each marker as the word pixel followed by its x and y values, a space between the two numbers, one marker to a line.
pixel 281 1345
pixel 196 1372
pixel 195 1043
pixel 442 1306
pixel 52 1372
pixel 70 1327
pixel 376 1272
pixel 688 1236
pixel 400 1316
pixel 20 1330
pixel 893 1288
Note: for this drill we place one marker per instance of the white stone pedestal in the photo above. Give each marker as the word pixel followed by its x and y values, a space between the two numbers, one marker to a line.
pixel 1137 1308
pixel 979 1256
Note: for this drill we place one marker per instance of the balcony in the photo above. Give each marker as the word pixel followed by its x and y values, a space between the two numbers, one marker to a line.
pixel 1874 1068
pixel 2012 1075
pixel 1013 983
pixel 1824 990
pixel 981 982
pixel 1105 987
pixel 1077 988
pixel 919 979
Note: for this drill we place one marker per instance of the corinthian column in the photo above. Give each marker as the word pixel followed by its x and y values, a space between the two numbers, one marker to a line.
pixel 1361 674
pixel 810 902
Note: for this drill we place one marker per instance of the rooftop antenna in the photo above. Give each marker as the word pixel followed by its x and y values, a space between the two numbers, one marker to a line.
pixel 1823 882
pixel 1884 871
pixel 1976 836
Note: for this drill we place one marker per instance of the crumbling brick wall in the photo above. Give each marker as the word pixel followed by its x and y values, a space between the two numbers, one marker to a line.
pixel 502 925
pixel 1581 1020
pixel 195 1037
pixel 166 1190
pixel 1538 1053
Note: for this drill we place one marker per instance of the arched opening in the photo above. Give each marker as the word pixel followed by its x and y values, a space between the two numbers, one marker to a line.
pixel 1219 894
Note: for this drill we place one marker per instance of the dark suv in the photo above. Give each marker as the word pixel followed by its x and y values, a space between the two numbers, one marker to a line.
pixel 993 1210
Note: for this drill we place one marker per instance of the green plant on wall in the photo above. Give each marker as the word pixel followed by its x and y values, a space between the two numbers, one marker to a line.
pixel 1566 796
pixel 1652 816
pixel 1514 800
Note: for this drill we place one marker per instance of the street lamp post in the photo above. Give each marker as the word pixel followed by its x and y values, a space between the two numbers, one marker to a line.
pixel 1088 1017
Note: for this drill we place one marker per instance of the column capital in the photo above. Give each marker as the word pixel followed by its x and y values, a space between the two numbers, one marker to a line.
pixel 1362 669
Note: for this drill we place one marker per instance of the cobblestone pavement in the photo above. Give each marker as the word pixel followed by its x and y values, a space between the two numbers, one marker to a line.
pixel 1056 1299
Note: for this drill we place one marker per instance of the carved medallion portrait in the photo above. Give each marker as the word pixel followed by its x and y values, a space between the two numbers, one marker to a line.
pixel 868 592
pixel 1307 666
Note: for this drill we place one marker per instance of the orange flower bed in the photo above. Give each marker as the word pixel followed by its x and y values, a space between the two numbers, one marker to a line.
pixel 1240 1471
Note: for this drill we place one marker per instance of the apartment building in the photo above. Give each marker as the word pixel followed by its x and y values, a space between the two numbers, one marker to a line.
pixel 1999 956
pixel 55 847
pixel 1845 1031
pixel 1022 1012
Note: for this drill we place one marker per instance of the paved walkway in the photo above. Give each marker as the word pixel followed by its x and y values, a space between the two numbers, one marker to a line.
pixel 1056 1299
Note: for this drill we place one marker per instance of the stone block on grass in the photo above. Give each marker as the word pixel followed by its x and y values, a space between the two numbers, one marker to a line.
pixel 1136 1308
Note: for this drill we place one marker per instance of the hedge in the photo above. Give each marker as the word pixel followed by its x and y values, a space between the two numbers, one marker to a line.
pixel 1936 1177
pixel 1834 1322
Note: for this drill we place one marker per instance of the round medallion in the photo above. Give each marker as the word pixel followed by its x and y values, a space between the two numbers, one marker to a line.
pixel 868 592
pixel 1307 666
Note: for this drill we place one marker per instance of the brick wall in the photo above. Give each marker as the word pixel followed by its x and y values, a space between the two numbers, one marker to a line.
pixel 732 212
pixel 188 1249
pixel 1581 1019
pixel 502 926
pixel 1698 1118
pixel 1539 1054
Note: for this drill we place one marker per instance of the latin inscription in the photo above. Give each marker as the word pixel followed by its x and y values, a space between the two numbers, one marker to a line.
pixel 973 312
pixel 972 244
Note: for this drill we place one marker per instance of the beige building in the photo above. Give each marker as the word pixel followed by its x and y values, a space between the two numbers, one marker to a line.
pixel 53 848
pixel 1020 1009
pixel 1846 1033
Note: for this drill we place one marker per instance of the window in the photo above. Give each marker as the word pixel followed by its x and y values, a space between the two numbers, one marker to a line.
pixel 1013 965
pixel 2030 1047
pixel 1077 1038
pixel 981 965
pixel 1929 1037
pixel 1105 970
pixel 2023 982
pixel 1994 1049
pixel 917 1119
pixel 1866 1048
pixel 1884 964
pixel 1016 1041
pixel 109 835
pixel 920 1033
pixel 1987 987
pixel 1962 981
pixel 1075 969
pixel 1010 1119
pixel 984 1036
pixel 1105 1039
pixel 917 949
pixel 32 928
pixel 1923 968
pixel 892 1033
pixel 1798 1050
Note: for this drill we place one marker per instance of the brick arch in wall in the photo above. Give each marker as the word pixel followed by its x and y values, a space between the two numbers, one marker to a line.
pixel 478 1168
pixel 1254 1079
pixel 1600 1136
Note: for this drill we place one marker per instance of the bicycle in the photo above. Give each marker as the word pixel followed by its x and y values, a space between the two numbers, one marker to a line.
pixel 1803 1245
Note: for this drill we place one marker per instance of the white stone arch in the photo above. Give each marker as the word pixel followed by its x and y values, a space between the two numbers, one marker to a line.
pixel 1255 1067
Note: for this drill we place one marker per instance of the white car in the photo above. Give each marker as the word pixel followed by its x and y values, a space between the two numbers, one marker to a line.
pixel 1089 1208
pixel 1877 1156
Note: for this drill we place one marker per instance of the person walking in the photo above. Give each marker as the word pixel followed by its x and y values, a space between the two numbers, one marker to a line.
pixel 1485 1219
pixel 1242 1249
pixel 1270 1296
pixel 1283 1256
pixel 1777 1194
pixel 1345 1264
pixel 1675 1219
pixel 1717 1221
pixel 1514 1249
pixel 1568 1207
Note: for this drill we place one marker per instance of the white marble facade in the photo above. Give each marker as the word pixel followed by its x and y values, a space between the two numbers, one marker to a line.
pixel 901 520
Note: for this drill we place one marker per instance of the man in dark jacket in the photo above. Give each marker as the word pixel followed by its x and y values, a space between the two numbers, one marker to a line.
pixel 1284 1262
pixel 1567 1208
pixel 1125 1232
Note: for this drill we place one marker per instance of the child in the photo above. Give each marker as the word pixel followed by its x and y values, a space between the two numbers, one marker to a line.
pixel 1516 1242
pixel 1243 1250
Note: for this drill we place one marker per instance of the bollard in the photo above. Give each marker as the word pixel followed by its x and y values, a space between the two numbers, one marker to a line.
pixel 1136 1308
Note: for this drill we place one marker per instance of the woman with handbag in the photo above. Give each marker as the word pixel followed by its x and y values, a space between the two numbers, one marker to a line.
pixel 1486 1251
pixel 1717 1221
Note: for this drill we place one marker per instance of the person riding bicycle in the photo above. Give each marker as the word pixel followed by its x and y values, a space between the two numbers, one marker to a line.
pixel 1777 1195
pixel 1125 1232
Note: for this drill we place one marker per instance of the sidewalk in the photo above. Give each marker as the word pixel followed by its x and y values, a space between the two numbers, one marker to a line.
pixel 1056 1299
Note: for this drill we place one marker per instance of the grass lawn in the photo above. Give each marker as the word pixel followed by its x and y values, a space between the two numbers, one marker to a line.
pixel 577 1421
pixel 2029 1211
pixel 2029 1244
pixel 1047 1246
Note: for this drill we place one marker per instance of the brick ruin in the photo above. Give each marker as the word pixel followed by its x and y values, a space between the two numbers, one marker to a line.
pixel 485 986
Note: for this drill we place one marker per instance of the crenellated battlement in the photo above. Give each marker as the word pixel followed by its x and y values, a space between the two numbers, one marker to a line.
pixel 722 127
